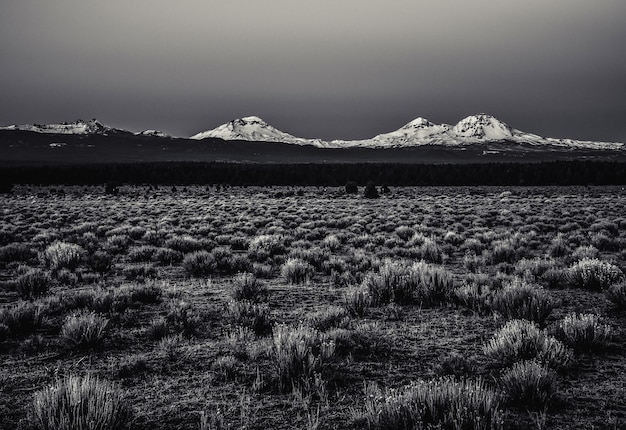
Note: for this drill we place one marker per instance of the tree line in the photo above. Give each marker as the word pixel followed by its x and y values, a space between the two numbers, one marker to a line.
pixel 336 174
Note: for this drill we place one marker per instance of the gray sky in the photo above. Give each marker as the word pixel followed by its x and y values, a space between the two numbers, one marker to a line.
pixel 330 69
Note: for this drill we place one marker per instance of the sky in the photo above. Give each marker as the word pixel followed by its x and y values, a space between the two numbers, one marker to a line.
pixel 346 69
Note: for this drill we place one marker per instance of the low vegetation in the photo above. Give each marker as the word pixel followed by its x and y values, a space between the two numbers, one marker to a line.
pixel 312 307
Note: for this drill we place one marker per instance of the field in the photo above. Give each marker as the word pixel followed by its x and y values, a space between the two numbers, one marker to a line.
pixel 277 308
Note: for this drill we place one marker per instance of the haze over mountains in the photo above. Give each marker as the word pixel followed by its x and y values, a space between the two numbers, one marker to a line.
pixel 474 129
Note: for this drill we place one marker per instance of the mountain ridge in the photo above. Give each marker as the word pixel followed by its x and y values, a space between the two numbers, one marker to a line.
pixel 474 129
pixel 471 130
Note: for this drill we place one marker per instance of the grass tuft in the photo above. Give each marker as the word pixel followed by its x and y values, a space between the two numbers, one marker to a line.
pixel 80 403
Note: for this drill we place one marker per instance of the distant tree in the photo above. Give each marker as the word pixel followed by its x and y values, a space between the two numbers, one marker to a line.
pixel 351 188
pixel 370 191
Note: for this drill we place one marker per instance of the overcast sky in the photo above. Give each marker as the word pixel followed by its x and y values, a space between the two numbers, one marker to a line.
pixel 326 68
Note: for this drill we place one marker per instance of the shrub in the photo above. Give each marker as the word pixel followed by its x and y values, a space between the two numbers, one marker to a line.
pixel 146 293
pixel 441 403
pixel 329 317
pixel 472 262
pixel 22 318
pixel 520 300
pixel 199 263
pixel 403 284
pixel 247 287
pixel 62 255
pixel 17 252
pixel 522 340
pixel 266 246
pixel 456 364
pixel 529 385
pixel 299 353
pixel 254 316
pixel 182 318
pixel 583 332
pixel 617 295
pixel 370 192
pixel 158 329
pixel 474 296
pixel 502 252
pixel 357 301
pixel 33 283
pixel 296 271
pixel 332 242
pixel 365 339
pixel 554 278
pixel 594 274
pixel 140 272
pixel 434 283
pixel 226 262
pixel 76 402
pixel 351 188
pixel 532 269
pixel 84 330
pixel 585 252
pixel 117 243
pixel 559 246
pixel 167 256
pixel 100 262
pixel 184 244
pixel 240 341
pixel 226 367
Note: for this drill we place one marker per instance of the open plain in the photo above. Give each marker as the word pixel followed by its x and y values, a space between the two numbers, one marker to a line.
pixel 307 307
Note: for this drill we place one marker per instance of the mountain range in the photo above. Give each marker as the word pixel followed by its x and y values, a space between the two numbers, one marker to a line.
pixel 472 130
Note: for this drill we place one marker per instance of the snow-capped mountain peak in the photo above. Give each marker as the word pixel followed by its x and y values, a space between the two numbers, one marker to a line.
pixel 79 126
pixel 482 127
pixel 151 133
pixel 253 128
pixel 418 122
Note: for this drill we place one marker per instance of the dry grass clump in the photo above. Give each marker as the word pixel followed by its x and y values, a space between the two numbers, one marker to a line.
pixel 20 252
pixel 297 271
pixel 476 296
pixel 299 353
pixel 521 300
pixel 617 295
pixel 403 284
pixel 594 274
pixel 247 287
pixel 523 340
pixel 200 263
pixel 32 284
pixel 329 317
pixel 183 318
pixel 583 332
pixel 255 316
pixel 84 330
pixel 76 402
pixel 442 403
pixel 266 246
pixel 530 385
pixel 21 319
pixel 62 255
pixel 357 300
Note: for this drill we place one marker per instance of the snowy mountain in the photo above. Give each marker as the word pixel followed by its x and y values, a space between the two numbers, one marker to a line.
pixel 253 128
pixel 77 127
pixel 152 133
pixel 474 129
